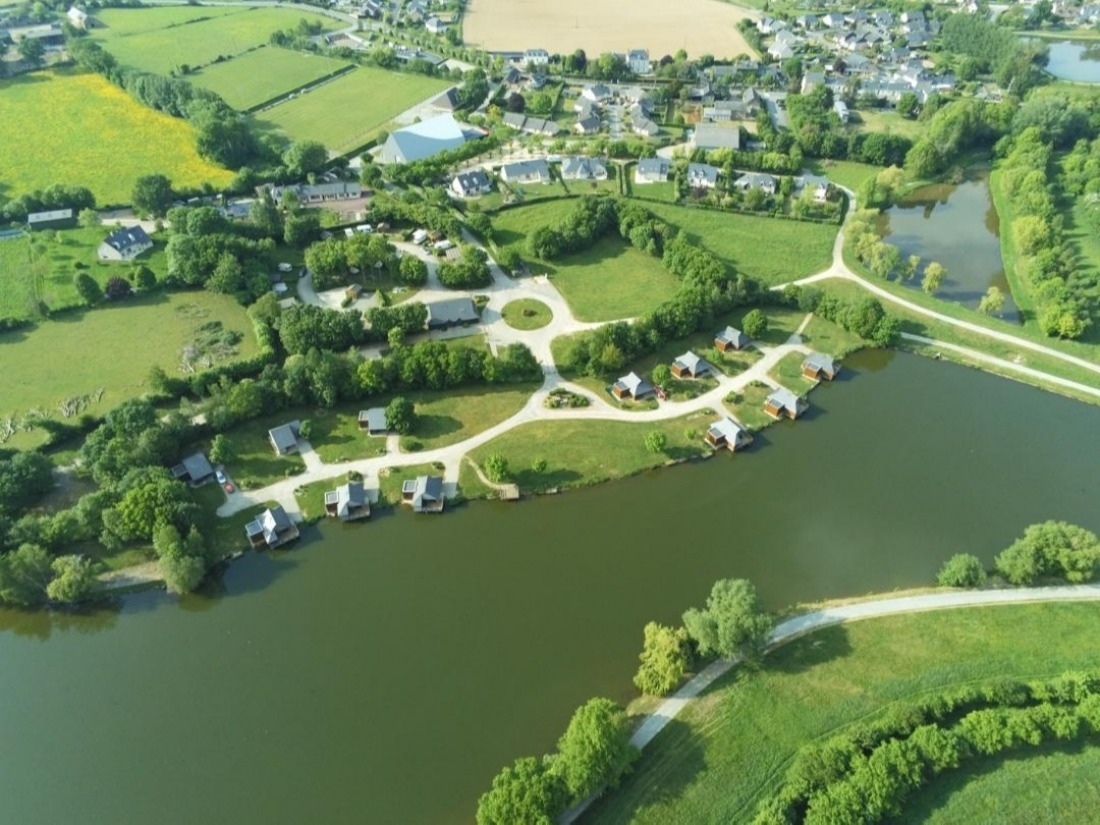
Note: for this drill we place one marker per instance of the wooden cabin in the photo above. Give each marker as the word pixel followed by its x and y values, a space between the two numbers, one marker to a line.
pixel 348 502
pixel 817 366
pixel 731 339
pixel 689 365
pixel 632 387
pixel 728 434
pixel 783 403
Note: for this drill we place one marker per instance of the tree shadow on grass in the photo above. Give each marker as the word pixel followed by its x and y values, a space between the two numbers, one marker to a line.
pixel 435 426
pixel 811 650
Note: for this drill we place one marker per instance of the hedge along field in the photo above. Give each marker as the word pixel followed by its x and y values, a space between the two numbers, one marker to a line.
pixel 347 112
pixel 78 129
pixel 199 43
pixel 259 76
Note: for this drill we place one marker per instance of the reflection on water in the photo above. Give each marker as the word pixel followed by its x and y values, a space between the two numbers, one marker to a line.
pixel 1074 60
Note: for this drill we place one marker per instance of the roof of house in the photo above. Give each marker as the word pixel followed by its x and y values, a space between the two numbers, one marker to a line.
pixel 285 436
pixel 702 172
pixel 784 399
pixel 653 167
pixel 733 335
pixel 197 466
pixel 526 168
pixel 584 168
pixel 447 101
pixel 691 362
pixel 810 180
pixel 726 428
pixel 375 418
pixel 644 124
pixel 270 523
pixel 751 179
pixel 52 215
pixel 473 179
pixel 820 361
pixel 422 140
pixel 451 311
pixel 634 384
pixel 127 238
pixel 347 497
pixel 423 489
pixel 713 136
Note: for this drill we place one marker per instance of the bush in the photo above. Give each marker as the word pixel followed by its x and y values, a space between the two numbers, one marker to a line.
pixel 664 659
pixel 961 570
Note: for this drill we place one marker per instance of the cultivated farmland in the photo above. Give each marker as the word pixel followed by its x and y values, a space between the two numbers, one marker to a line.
pixel 259 76
pixel 199 43
pixel 122 22
pixel 698 26
pixel 350 110
pixel 63 127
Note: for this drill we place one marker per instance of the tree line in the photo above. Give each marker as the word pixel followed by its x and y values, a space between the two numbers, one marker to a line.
pixel 1050 550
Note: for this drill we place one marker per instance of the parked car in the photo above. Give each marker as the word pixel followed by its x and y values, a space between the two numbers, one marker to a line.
pixel 220 476
pixel 228 487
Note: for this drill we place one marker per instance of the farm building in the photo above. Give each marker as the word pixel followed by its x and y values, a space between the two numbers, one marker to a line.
pixel 689 365
pixel 453 312
pixel 473 182
pixel 284 438
pixel 272 528
pixel 124 244
pixel 731 338
pixel 348 502
pixel 194 469
pixel 424 494
pixel 526 171
pixel 374 421
pixel 54 219
pixel 729 434
pixel 818 366
pixel 632 386
pixel 422 140
pixel 783 402
pixel 716 136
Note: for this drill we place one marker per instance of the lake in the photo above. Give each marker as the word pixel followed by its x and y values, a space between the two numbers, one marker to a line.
pixel 956 225
pixel 1076 60
pixel 384 672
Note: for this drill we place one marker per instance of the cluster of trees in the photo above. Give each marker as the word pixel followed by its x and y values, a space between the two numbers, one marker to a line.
pixel 867 774
pixel 817 131
pixel 58 196
pixel 470 271
pixel 865 317
pixel 586 223
pixel 961 570
pixel 1016 64
pixel 593 753
pixel 305 327
pixel 884 259
pixel 954 128
pixel 431 211
pixel 1054 549
pixel 31 576
pixel 331 260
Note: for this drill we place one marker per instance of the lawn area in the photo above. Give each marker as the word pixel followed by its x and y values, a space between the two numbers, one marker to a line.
pixel 747 406
pixel 526 314
pixel 107 353
pixel 730 749
pixel 49 115
pixel 512 226
pixel 256 464
pixel 123 22
pixel 611 280
pixel 664 191
pixel 162 49
pixel 393 477
pixel 533 192
pixel 788 372
pixel 259 76
pixel 887 121
pixel 311 497
pixel 349 111
pixel 580 453
pixel 847 173
pixel 771 250
pixel 41 267
pixel 825 336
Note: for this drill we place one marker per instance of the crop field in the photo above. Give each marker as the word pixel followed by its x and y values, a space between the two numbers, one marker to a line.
pixel 699 26
pixel 259 76
pixel 122 22
pixel 198 43
pixel 350 110
pixel 78 129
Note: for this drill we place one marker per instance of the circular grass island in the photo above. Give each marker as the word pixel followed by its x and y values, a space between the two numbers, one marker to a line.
pixel 526 314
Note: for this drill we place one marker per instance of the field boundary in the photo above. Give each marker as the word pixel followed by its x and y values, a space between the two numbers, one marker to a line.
pixel 271 103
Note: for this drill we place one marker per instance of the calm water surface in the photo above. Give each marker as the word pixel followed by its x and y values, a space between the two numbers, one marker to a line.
pixel 957 226
pixel 1075 60
pixel 383 673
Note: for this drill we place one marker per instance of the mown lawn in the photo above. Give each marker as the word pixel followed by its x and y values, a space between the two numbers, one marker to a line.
pixel 526 314
pixel 584 452
pixel 101 137
pixel 747 406
pixel 886 121
pixel 772 250
pixel 160 50
pixel 107 353
pixel 256 464
pixel 259 76
pixel 730 749
pixel 392 478
pixel 123 22
pixel 825 336
pixel 788 372
pixel 847 173
pixel 512 226
pixel 349 111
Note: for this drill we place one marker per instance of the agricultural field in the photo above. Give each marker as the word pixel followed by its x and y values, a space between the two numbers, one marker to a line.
pixel 699 26
pixel 771 250
pixel 349 111
pixel 40 268
pixel 730 749
pixel 105 354
pixel 261 75
pixel 198 43
pixel 78 129
pixel 122 22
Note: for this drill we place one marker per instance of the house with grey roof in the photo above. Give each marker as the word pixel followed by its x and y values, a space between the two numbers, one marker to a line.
pixel 424 494
pixel 447 101
pixel 272 528
pixel 690 365
pixel 652 170
pixel 582 168
pixel 642 125
pixel 452 312
pixel 470 183
pixel 597 93
pixel 731 338
pixel 284 438
pixel 702 176
pixel 348 502
pixel 819 186
pixel 589 125
pixel 423 140
pixel 638 61
pixel 632 386
pixel 716 136
pixel 526 171
pixel 818 365
pixel 722 111
pixel 533 58
pixel 373 420
pixel 53 219
pixel 311 193
pixel 124 244
pixel 756 180
pixel 531 125
pixel 729 434
pixel 784 403
pixel 194 469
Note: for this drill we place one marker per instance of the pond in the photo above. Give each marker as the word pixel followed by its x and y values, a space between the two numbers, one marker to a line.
pixel 384 672
pixel 956 225
pixel 1076 60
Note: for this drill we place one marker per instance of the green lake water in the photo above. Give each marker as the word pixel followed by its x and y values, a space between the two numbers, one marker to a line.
pixel 384 672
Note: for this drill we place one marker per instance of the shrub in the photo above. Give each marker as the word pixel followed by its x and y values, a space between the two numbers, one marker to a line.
pixel 961 570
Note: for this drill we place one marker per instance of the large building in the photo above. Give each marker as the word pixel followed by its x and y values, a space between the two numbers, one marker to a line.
pixel 422 140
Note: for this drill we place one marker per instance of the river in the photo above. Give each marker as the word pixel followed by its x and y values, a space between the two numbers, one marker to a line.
pixel 384 672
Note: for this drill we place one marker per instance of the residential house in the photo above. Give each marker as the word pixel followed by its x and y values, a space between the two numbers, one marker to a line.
pixel 580 168
pixel 690 365
pixel 818 184
pixel 729 434
pixel 817 366
pixel 447 101
pixel 597 93
pixel 348 502
pixel 810 81
pixel 284 438
pixel 272 528
pixel 638 61
pixel 716 136
pixel 637 95
pixel 78 18
pixel 470 183
pixel 423 140
pixel 756 180
pixel 452 312
pixel 536 81
pixel 702 176
pixel 373 420
pixel 834 19
pixel 526 171
pixel 124 244
pixel 531 125
pixel 313 193
pixel 424 494
pixel 632 386
pixel 642 125
pixel 534 58
pixel 195 469
pixel 53 219
pixel 722 111
pixel 589 125
pixel 731 338
pixel 434 25
pixel 784 403
pixel 651 170
pixel 806 21
pixel 841 109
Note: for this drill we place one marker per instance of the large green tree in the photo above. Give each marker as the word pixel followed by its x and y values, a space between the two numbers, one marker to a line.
pixel 526 792
pixel 664 659
pixel 152 195
pixel 595 750
pixel 733 623
pixel 74 580
pixel 25 574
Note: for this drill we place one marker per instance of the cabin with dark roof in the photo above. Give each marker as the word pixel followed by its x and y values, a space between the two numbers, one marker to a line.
pixel 374 421
pixel 731 338
pixel 284 439
pixel 424 494
pixel 632 386
pixel 689 365
pixel 452 312
pixel 124 244
pixel 195 469
pixel 272 528
pixel 348 502
pixel 818 366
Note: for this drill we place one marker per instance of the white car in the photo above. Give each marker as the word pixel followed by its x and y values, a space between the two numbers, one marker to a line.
pixel 220 476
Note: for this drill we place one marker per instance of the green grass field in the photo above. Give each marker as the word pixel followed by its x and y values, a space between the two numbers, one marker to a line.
pixel 266 73
pixel 176 43
pixel 730 749
pixel 46 130
pixel 123 22
pixel 771 250
pixel 788 372
pixel 526 314
pixel 41 266
pixel 350 110
pixel 886 121
pixel 256 464
pixel 847 173
pixel 110 349
pixel 747 406
pixel 512 226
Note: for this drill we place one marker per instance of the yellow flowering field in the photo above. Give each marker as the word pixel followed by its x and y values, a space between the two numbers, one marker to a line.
pixel 78 129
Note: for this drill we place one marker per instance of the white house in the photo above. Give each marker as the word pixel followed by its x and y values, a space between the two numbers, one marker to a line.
pixel 638 61
pixel 78 17
pixel 702 176
pixel 434 25
pixel 533 58
pixel 756 180
pixel 473 182
pixel 526 171
pixel 581 168
pixel 124 244
pixel 651 170
pixel 841 109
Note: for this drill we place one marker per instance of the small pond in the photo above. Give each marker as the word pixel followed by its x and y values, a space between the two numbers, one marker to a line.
pixel 956 225
pixel 1076 60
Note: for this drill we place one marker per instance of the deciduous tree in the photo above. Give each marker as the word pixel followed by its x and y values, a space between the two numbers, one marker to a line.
pixel 733 623
pixel 595 750
pixel 664 659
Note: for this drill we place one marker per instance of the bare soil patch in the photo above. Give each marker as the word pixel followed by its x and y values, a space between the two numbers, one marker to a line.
pixel 561 26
